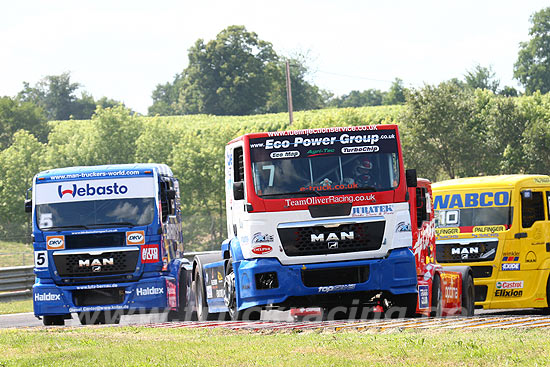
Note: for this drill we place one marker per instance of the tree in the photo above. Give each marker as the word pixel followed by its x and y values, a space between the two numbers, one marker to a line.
pixel 396 93
pixel 481 78
pixel 305 96
pixel 532 68
pixel 369 97
pixel 56 95
pixel 16 115
pixel 441 134
pixel 231 75
pixel 20 162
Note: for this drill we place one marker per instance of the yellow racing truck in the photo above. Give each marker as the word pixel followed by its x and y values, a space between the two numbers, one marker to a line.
pixel 500 227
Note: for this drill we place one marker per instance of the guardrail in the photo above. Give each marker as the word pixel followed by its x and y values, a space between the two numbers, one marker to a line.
pixel 16 282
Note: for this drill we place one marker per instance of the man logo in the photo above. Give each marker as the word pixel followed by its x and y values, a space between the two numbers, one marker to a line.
pixel 135 238
pixel 332 237
pixel 55 242
pixel 332 245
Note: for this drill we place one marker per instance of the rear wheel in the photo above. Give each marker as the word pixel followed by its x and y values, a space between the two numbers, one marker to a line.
pixel 230 298
pixel 58 320
pixel 183 313
pixel 200 298
pixel 437 298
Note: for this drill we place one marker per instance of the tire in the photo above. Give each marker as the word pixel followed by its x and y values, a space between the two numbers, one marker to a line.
pixel 437 298
pixel 404 305
pixel 183 313
pixel 230 299
pixel 200 299
pixel 100 317
pixel 468 295
pixel 58 320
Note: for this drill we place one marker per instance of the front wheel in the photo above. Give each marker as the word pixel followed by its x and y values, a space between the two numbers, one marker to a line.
pixel 58 320
pixel 230 298
pixel 468 296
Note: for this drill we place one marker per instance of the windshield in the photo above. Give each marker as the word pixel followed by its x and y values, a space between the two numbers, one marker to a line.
pixel 338 162
pixel 96 213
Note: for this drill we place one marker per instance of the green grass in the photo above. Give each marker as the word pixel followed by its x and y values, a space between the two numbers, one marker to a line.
pixel 15 254
pixel 16 307
pixel 140 346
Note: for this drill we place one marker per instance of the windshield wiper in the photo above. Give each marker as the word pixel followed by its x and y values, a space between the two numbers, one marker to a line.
pixel 64 227
pixel 129 224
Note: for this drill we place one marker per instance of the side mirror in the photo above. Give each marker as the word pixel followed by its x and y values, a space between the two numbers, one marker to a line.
pixel 410 176
pixel 238 190
pixel 28 206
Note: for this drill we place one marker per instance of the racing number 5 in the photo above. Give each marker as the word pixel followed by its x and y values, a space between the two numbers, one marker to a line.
pixel 40 259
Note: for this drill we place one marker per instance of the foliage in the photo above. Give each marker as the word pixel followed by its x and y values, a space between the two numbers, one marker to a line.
pixel 396 93
pixel 16 115
pixel 532 68
pixel 369 97
pixel 481 78
pixel 56 95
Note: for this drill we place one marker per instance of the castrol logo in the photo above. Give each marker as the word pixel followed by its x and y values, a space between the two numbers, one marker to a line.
pixel 135 238
pixel 262 249
pixel 55 242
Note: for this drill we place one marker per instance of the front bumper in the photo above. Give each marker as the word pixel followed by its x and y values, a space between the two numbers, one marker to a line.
pixel 395 274
pixel 145 295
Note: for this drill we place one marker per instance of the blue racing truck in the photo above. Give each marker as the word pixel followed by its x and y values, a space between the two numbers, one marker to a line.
pixel 107 241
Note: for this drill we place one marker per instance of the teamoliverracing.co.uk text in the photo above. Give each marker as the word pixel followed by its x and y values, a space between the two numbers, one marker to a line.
pixel 328 200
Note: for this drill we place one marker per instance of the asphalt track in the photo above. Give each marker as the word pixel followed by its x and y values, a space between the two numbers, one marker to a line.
pixel 496 319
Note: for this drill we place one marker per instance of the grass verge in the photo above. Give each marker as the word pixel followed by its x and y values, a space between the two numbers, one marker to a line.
pixel 15 307
pixel 137 346
pixel 15 254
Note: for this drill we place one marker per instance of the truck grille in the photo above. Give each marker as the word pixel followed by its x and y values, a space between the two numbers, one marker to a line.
pixel 106 263
pixel 456 252
pixel 81 241
pixel 319 240
pixel 335 276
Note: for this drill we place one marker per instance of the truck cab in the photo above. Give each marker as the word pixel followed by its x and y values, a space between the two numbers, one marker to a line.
pixel 107 241
pixel 316 217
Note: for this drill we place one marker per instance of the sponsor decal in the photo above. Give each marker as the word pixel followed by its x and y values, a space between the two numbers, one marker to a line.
pixel 55 242
pixel 423 296
pixel 363 149
pixel 372 210
pixel 510 266
pixel 403 227
pixel 510 258
pixel 262 249
pixel 288 154
pixel 508 293
pixel 98 308
pixel 83 191
pixel 135 237
pixel 531 257
pixel 335 288
pixel 511 253
pixel 97 286
pixel 47 297
pixel 149 254
pixel 514 284
pixel 327 186
pixel 259 237
pixel 219 293
pixel 543 180
pixel 209 293
pixel 315 200
pixel 472 200
pixel 316 152
pixel 172 294
pixel 464 252
pixel 447 231
pixel 489 229
pixel 149 291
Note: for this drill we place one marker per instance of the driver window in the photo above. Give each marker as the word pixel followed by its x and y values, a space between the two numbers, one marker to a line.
pixel 532 208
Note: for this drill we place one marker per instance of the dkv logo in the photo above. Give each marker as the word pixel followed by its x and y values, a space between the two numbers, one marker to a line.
pixel 88 190
pixel 149 254
pixel 135 238
pixel 55 242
